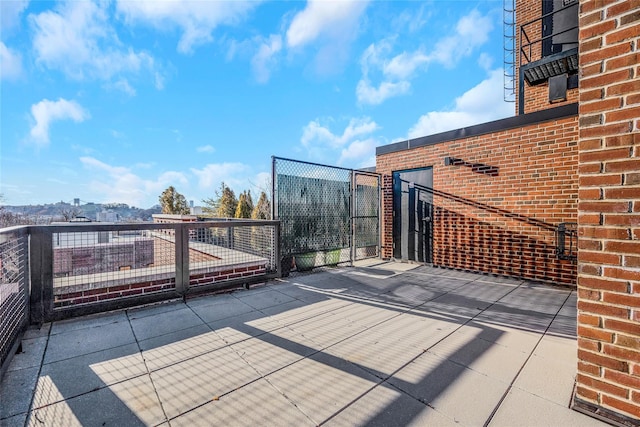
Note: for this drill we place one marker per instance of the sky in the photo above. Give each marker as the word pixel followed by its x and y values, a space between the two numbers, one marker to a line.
pixel 113 101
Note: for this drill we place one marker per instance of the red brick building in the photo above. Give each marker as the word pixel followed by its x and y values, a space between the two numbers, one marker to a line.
pixel 608 381
pixel 504 197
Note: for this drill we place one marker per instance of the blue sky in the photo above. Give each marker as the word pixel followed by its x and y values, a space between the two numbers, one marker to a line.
pixel 113 101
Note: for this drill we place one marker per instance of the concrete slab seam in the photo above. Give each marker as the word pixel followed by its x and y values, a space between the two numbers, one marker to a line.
pixel 495 410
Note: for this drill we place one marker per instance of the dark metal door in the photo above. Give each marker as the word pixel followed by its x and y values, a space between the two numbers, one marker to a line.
pixel 412 214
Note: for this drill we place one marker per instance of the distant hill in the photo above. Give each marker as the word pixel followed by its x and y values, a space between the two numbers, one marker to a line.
pixel 63 211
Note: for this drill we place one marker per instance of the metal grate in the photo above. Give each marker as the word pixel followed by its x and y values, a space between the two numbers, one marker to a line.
pixel 95 266
pixel 14 313
pixel 238 250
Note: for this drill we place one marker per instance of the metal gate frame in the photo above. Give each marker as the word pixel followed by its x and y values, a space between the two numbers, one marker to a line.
pixel 357 179
pixel 355 214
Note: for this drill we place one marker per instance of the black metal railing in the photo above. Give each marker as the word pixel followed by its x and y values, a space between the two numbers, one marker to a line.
pixel 528 44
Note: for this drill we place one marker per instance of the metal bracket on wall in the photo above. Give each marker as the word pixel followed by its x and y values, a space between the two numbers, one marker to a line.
pixel 567 241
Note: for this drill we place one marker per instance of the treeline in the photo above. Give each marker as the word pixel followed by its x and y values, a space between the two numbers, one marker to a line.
pixel 225 204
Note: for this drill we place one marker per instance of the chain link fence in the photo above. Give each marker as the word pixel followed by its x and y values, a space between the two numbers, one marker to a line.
pixel 329 215
pixel 366 219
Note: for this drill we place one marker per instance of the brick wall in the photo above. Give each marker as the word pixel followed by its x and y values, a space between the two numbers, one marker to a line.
pixel 535 97
pixel 103 257
pixel 502 222
pixel 608 379
pixel 150 281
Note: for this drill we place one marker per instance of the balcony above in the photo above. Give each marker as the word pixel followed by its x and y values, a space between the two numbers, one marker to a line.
pixel 549 43
pixel 565 62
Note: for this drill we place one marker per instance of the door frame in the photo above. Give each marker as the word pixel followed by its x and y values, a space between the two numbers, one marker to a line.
pixel 397 236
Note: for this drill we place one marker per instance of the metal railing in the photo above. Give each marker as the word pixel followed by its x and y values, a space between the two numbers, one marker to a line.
pixel 58 271
pixel 531 47
pixel 14 289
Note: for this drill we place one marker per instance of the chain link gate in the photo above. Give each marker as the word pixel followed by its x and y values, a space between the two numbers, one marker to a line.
pixel 366 215
pixel 328 215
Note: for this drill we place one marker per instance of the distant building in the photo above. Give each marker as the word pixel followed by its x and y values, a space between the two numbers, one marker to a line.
pixel 92 252
pixel 107 216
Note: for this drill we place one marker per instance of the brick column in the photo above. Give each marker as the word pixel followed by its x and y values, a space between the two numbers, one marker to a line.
pixel 608 379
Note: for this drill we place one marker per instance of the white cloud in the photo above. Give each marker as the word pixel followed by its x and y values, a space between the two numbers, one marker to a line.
pixel 116 134
pixel 195 19
pixel 485 61
pixel 238 176
pixel 404 65
pixel 46 112
pixel 353 146
pixel 314 132
pixel 360 153
pixel 10 63
pixel 262 182
pixel 124 86
pixel 412 20
pixel 209 177
pixel 331 26
pixel 372 59
pixel 332 18
pixel 78 39
pixel 471 31
pixel 368 94
pixel 205 149
pixel 121 184
pixel 263 61
pixel 10 11
pixel 480 104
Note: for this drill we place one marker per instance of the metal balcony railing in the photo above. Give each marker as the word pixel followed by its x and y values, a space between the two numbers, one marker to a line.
pixel 541 38
pixel 53 272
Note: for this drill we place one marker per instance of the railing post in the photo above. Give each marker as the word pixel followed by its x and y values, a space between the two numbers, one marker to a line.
pixel 25 277
pixel 41 260
pixel 276 249
pixel 352 221
pixel 182 258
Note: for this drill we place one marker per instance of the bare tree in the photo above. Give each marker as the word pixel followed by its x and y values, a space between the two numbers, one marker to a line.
pixel 70 213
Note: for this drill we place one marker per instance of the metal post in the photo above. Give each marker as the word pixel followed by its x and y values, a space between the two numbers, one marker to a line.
pixel 41 254
pixel 182 258
pixel 380 214
pixel 352 209
pixel 274 211
pixel 24 276
pixel 276 249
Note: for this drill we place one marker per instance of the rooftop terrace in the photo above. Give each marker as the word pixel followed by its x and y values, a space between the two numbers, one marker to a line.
pixel 376 344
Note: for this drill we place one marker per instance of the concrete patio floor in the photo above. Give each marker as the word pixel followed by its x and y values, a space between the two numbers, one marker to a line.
pixel 380 344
